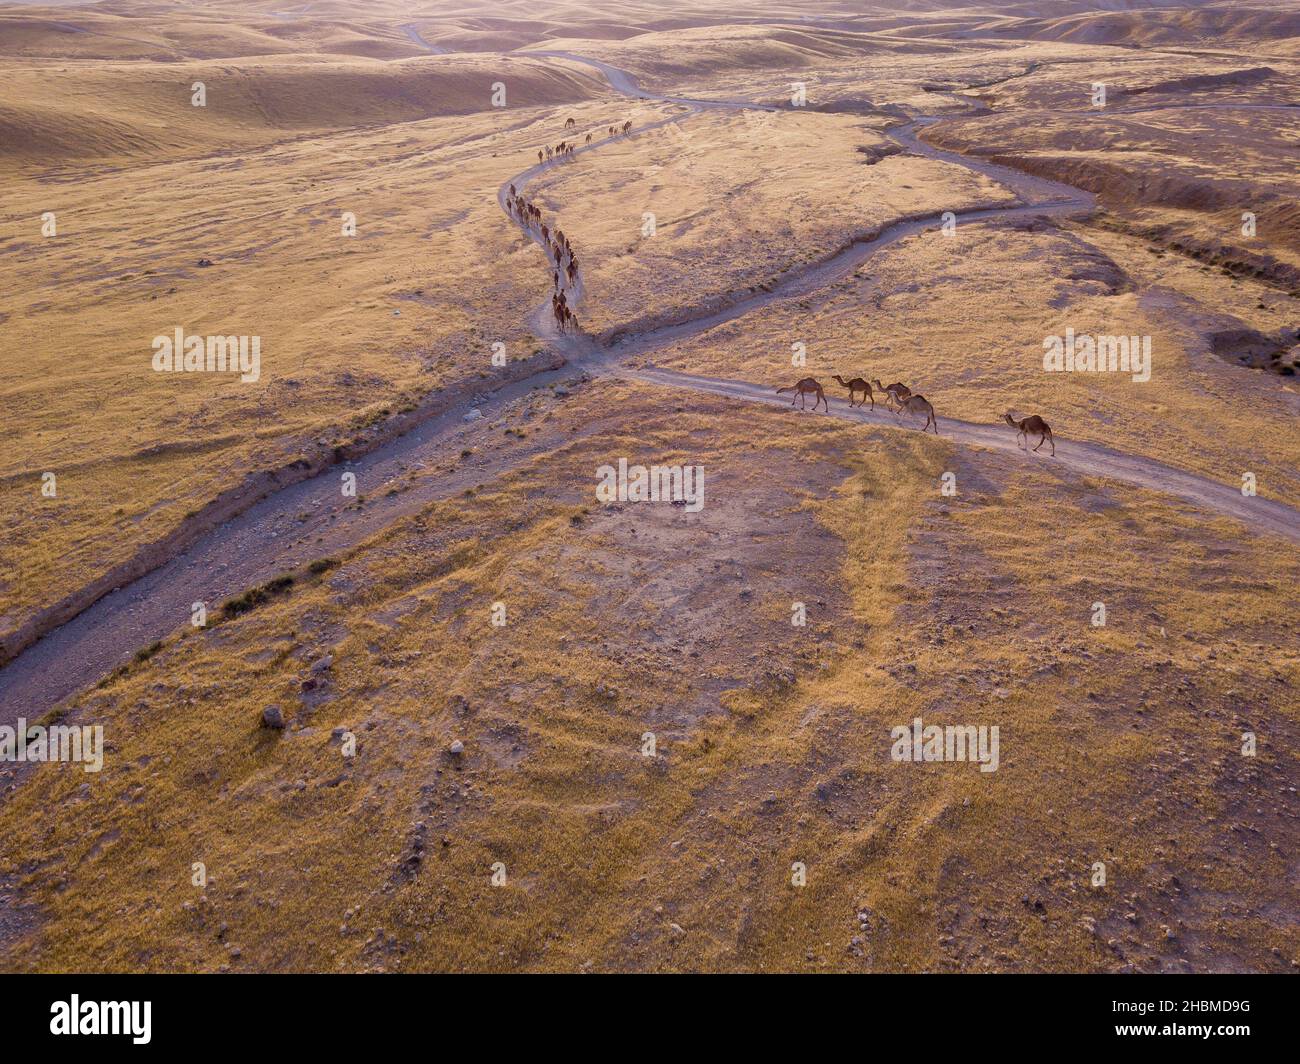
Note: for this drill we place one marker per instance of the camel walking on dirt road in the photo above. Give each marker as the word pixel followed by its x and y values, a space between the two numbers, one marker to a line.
pixel 1033 425
pixel 803 389
pixel 894 393
pixel 857 384
pixel 919 404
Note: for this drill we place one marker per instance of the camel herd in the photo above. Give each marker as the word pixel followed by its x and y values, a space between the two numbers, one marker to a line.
pixel 898 397
pixel 559 253
pixel 564 274
pixel 565 148
pixel 902 400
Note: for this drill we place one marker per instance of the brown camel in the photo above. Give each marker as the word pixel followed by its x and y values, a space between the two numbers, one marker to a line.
pixel 857 384
pixel 588 138
pixel 1033 425
pixel 803 389
pixel 918 404
pixel 627 126
pixel 569 123
pixel 895 392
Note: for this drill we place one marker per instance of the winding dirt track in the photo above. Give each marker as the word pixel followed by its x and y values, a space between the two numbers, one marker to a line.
pixel 1090 459
pixel 305 521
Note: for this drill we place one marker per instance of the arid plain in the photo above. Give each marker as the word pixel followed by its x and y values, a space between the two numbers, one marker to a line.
pixel 386 685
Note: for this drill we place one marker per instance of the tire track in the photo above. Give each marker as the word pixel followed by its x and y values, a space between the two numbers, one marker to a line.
pixel 1089 459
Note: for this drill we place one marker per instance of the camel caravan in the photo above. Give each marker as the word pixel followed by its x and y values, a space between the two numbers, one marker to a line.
pixel 566 148
pixel 897 397
pixel 900 399
pixel 559 252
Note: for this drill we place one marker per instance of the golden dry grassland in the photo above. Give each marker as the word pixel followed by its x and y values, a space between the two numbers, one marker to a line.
pixel 552 838
pixel 773 741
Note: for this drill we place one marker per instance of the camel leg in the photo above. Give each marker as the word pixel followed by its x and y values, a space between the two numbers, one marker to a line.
pixel 1053 443
pixel 1041 440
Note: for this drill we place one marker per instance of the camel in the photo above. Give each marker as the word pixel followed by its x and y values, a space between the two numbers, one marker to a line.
pixel 802 389
pixel 918 404
pixel 895 392
pixel 627 126
pixel 857 384
pixel 588 138
pixel 569 123
pixel 1033 425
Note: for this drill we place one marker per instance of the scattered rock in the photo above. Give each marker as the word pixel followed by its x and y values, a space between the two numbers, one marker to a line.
pixel 474 415
pixel 457 748
pixel 273 717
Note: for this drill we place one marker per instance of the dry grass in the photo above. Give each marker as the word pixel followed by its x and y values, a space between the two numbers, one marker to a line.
pixel 773 740
pixel 920 313
pixel 1120 744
